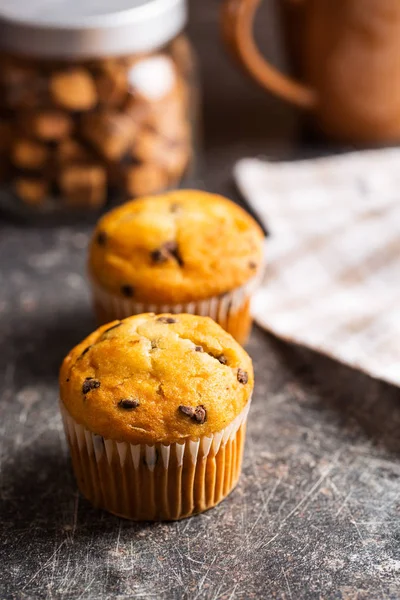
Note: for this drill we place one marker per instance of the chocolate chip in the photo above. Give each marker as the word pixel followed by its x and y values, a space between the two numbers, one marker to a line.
pixel 128 404
pixel 85 351
pixel 167 320
pixel 220 357
pixel 198 414
pixel 159 256
pixel 167 251
pixel 199 348
pixel 113 327
pixel 90 384
pixel 252 265
pixel 187 410
pixel 174 251
pixel 67 380
pixel 101 238
pixel 127 291
pixel 242 376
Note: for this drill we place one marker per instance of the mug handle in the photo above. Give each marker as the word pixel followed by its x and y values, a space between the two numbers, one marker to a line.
pixel 237 30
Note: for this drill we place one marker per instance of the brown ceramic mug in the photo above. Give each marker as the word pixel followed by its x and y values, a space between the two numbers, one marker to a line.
pixel 345 56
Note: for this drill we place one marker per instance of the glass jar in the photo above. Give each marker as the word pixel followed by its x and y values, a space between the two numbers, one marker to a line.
pixel 97 102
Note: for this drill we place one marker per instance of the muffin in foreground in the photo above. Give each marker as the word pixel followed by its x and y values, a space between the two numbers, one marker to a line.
pixel 182 252
pixel 154 410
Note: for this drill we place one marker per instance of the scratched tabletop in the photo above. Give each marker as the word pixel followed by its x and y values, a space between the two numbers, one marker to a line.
pixel 316 514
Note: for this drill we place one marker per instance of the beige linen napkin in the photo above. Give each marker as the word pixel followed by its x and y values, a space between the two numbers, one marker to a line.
pixel 333 257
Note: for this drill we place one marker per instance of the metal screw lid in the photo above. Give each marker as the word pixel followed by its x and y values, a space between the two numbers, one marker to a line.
pixel 88 28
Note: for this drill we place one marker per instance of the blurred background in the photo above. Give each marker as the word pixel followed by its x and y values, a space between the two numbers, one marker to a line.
pixel 76 136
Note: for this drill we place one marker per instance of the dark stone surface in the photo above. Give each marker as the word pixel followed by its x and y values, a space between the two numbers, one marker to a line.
pixel 316 513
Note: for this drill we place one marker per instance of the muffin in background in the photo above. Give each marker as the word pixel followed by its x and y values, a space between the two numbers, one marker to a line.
pixel 154 410
pixel 184 251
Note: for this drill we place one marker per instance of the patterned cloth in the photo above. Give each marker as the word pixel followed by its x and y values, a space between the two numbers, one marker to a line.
pixel 333 258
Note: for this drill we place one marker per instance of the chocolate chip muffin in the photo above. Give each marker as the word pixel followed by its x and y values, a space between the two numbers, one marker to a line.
pixel 184 251
pixel 155 410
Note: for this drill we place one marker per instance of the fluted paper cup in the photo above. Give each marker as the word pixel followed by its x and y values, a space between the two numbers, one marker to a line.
pixel 230 310
pixel 157 482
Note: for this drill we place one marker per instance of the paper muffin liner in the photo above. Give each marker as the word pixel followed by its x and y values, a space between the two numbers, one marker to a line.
pixel 230 310
pixel 160 481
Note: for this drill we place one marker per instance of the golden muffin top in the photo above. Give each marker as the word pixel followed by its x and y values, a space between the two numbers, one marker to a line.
pixel 152 378
pixel 177 247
